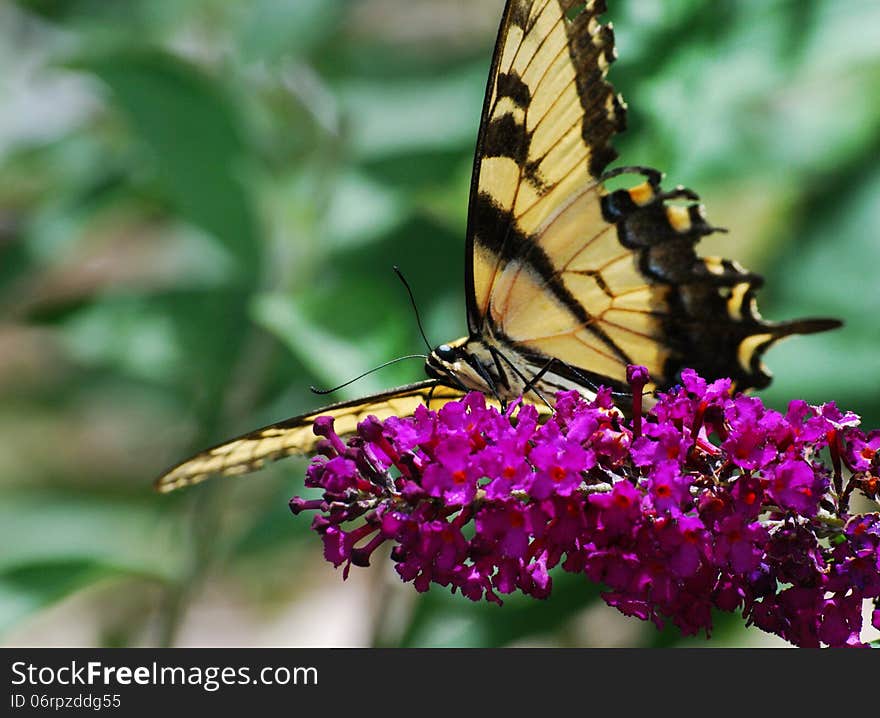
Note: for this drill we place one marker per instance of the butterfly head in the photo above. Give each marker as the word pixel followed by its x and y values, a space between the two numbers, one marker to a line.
pixel 454 363
pixel 445 359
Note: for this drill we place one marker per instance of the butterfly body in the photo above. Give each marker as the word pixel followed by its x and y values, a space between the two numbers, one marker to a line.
pixel 486 364
pixel 566 281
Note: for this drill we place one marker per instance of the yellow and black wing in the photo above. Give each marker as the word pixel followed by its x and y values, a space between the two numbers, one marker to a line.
pixel 558 267
pixel 251 451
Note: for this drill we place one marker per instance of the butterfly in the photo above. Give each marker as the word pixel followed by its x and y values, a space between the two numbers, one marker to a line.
pixel 567 282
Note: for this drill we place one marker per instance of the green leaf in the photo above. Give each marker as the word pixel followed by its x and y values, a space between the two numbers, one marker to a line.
pixel 330 358
pixel 56 543
pixel 390 118
pixel 127 334
pixel 57 10
pixel 53 527
pixel 361 210
pixel 187 122
pixel 274 29
pixel 27 589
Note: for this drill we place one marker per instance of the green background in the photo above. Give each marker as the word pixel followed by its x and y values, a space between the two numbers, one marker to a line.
pixel 200 205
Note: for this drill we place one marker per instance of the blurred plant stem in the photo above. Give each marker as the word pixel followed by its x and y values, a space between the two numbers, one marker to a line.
pixel 205 506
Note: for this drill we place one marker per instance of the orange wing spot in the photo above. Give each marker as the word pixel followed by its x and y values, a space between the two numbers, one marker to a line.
pixel 642 194
pixel 679 218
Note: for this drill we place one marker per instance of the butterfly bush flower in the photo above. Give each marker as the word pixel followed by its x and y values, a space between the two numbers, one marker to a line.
pixel 708 501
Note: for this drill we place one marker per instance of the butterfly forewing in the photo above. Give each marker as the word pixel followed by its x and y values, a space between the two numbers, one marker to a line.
pixel 295 436
pixel 547 119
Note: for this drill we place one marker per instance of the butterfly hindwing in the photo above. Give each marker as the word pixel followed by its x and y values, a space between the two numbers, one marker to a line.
pixel 295 436
pixel 701 312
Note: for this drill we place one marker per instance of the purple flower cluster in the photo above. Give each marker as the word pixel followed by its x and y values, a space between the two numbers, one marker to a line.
pixel 709 500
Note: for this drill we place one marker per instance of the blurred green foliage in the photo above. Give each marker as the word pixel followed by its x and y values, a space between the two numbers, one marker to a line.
pixel 200 204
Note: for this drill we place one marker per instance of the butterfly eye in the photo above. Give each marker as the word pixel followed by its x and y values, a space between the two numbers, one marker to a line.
pixel 446 353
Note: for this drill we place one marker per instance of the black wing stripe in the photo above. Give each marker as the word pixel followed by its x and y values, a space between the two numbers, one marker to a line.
pixel 599 126
pixel 528 253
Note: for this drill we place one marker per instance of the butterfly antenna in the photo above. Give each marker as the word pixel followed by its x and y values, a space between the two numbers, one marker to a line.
pixel 412 300
pixel 366 373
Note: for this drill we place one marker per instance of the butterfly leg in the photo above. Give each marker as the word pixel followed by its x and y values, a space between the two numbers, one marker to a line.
pixel 528 383
pixel 478 367
pixel 499 367
pixel 586 381
pixel 535 379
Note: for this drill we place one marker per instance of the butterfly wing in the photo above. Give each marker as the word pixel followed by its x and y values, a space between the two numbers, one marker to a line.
pixel 560 268
pixel 251 451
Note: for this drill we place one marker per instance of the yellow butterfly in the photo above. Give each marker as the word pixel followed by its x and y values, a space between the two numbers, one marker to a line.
pixel 567 282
